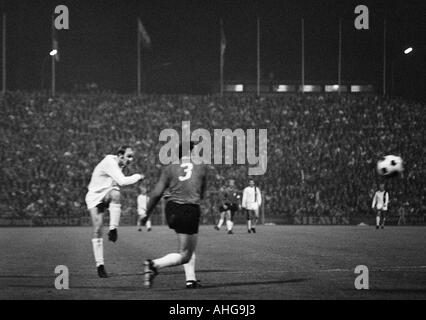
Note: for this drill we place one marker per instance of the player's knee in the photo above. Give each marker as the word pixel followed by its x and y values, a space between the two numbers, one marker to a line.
pixel 115 196
pixel 97 232
pixel 186 256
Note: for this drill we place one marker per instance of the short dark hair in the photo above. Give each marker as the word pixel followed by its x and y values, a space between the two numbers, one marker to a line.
pixel 122 149
pixel 191 146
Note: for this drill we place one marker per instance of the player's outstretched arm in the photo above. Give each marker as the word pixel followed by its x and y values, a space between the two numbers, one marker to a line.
pixel 113 170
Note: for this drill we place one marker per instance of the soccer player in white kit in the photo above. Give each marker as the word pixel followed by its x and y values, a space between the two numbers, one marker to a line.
pixel 252 199
pixel 104 193
pixel 380 205
pixel 142 202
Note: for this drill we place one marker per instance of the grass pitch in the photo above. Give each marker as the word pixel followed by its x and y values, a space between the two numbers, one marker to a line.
pixel 278 262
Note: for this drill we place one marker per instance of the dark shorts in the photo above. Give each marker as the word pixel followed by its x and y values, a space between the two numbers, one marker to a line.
pixel 103 206
pixel 231 206
pixel 250 214
pixel 183 218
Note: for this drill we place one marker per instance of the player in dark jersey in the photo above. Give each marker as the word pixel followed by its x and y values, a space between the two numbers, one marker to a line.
pixel 186 183
pixel 230 202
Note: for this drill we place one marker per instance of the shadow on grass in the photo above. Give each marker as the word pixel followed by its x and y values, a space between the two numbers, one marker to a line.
pixel 165 273
pixel 242 284
pixel 141 287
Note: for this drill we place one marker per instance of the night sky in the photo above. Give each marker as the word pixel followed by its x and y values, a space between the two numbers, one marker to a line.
pixel 100 45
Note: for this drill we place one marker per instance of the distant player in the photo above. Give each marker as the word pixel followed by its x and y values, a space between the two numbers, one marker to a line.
pixel 186 183
pixel 252 199
pixel 104 193
pixel 402 213
pixel 142 202
pixel 380 205
pixel 230 199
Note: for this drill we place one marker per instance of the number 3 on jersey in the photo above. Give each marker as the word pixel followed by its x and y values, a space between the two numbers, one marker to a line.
pixel 188 171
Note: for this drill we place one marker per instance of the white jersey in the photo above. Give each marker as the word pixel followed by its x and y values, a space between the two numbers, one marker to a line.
pixel 107 176
pixel 252 198
pixel 142 204
pixel 380 200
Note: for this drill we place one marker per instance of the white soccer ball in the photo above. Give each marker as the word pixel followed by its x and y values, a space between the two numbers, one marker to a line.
pixel 390 165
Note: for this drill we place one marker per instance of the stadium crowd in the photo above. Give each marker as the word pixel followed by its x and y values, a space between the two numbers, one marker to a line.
pixel 322 149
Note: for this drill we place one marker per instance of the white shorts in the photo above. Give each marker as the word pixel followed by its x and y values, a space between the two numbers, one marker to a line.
pixel 253 206
pixel 95 198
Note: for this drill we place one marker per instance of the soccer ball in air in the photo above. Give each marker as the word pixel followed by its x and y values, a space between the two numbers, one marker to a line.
pixel 389 165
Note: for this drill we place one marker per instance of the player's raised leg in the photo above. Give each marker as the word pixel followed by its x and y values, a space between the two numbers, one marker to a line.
pixel 114 214
pixel 186 245
pixel 97 241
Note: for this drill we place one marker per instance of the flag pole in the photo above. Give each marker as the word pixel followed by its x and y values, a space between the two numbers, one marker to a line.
pixel 258 57
pixel 339 75
pixel 53 76
pixel 4 53
pixel 303 55
pixel 221 58
pixel 384 57
pixel 53 62
pixel 139 59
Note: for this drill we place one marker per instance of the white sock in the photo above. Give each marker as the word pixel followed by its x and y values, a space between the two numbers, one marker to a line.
pixel 377 221
pixel 98 250
pixel 148 224
pixel 114 215
pixel 190 269
pixel 228 225
pixel 249 224
pixel 170 260
pixel 220 223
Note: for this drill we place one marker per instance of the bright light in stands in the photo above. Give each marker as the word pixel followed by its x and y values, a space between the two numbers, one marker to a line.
pixel 53 52
pixel 331 88
pixel 359 88
pixel 234 88
pixel 310 88
pixel 284 88
pixel 408 50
